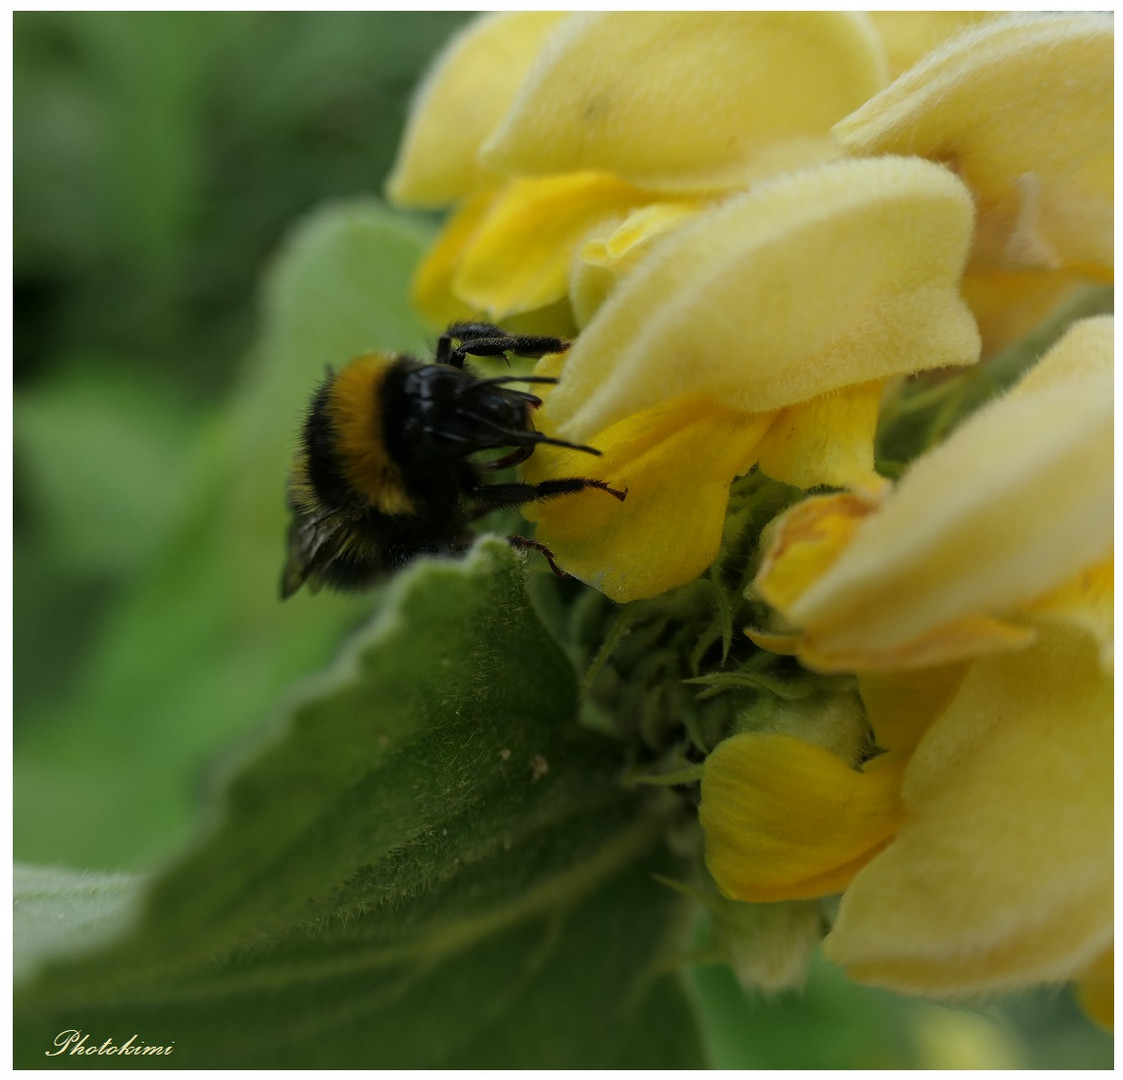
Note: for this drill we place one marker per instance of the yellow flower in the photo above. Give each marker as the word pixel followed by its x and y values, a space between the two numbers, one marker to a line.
pixel 741 343
pixel 975 604
pixel 675 184
pixel 529 95
pixel 1021 109
pixel 566 148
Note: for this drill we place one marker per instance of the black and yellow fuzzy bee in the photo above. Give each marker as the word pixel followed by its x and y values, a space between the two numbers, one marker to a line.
pixel 383 474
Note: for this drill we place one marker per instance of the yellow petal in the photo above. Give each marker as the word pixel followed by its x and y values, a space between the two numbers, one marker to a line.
pixel 686 100
pixel 518 258
pixel 785 819
pixel 804 543
pixel 902 705
pixel 431 291
pixel 1021 108
pixel 605 260
pixel 1001 874
pixel 780 644
pixel 1096 990
pixel 1017 501
pixel 677 464
pixel 554 320
pixel 1086 601
pixel 1009 305
pixel 959 639
pixel 827 440
pixel 1087 349
pixel 461 102
pixel 908 35
pixel 741 305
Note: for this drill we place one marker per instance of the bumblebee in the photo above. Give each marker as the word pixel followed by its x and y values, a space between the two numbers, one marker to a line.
pixel 383 474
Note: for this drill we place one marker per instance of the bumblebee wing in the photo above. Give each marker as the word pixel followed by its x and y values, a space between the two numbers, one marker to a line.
pixel 312 543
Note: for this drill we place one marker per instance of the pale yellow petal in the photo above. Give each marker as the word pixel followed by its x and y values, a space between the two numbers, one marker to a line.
pixel 519 256
pixel 605 259
pixel 1087 349
pixel 639 229
pixel 902 705
pixel 1086 601
pixel 431 290
pixel 1001 874
pixel 686 100
pixel 1021 108
pixel 781 644
pixel 949 1038
pixel 1096 990
pixel 827 440
pixel 785 819
pixel 803 543
pixel 1009 305
pixel 743 305
pixel 554 320
pixel 1017 501
pixel 948 643
pixel 677 464
pixel 908 35
pixel 461 102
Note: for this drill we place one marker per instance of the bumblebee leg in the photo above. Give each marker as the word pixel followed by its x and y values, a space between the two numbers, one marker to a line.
pixel 524 543
pixel 484 339
pixel 493 496
pixel 448 353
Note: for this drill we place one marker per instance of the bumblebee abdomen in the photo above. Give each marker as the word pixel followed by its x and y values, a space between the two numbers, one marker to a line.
pixel 347 462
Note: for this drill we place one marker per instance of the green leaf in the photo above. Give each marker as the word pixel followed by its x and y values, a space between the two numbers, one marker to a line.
pixel 57 911
pixel 200 647
pixel 426 864
pixel 100 459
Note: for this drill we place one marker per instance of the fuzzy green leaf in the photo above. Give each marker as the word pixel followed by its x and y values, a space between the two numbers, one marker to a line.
pixel 57 911
pixel 426 864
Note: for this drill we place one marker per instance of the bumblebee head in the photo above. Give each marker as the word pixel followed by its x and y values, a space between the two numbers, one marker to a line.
pixel 449 413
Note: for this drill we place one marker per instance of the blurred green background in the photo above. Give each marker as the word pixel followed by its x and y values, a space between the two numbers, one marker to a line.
pixel 160 163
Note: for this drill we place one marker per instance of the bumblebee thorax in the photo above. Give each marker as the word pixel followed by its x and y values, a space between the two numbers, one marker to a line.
pixel 354 407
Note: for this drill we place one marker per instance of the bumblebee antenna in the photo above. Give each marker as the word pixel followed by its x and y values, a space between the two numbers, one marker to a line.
pixel 521 438
pixel 499 380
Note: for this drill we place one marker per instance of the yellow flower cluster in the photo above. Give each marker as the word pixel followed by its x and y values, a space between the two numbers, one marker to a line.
pixel 975 604
pixel 724 205
pixel 758 223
